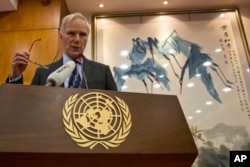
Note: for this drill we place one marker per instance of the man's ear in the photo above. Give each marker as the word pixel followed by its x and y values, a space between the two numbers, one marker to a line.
pixel 60 35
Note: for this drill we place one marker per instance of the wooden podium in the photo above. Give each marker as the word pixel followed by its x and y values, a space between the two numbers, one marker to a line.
pixel 32 132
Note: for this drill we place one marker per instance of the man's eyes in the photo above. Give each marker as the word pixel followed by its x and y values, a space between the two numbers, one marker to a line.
pixel 83 34
pixel 71 33
pixel 80 34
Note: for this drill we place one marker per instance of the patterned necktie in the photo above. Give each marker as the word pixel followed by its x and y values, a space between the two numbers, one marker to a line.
pixel 75 78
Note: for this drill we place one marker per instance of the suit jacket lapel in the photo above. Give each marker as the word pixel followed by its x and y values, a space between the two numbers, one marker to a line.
pixel 86 70
pixel 54 66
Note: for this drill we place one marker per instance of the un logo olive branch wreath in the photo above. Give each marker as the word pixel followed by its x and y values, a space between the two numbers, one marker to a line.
pixel 81 140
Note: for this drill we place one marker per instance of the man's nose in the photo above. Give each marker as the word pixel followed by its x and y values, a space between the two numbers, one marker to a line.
pixel 77 37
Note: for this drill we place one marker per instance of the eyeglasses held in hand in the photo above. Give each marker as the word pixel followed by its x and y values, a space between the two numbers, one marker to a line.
pixel 33 62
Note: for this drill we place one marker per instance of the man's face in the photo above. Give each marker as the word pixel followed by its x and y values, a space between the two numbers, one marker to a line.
pixel 75 37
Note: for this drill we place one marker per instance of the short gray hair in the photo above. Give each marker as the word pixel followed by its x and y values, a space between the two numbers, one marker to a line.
pixel 70 17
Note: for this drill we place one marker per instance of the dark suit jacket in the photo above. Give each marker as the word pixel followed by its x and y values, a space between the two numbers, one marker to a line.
pixel 98 76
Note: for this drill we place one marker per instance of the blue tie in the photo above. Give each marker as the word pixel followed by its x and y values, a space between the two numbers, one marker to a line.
pixel 75 78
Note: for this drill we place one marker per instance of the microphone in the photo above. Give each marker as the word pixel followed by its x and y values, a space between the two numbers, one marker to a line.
pixel 59 76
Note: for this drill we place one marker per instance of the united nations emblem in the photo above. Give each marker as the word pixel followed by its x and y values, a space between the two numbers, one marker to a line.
pixel 96 118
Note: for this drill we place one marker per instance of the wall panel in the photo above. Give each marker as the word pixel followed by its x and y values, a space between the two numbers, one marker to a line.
pixel 18 29
pixel 42 52
pixel 31 15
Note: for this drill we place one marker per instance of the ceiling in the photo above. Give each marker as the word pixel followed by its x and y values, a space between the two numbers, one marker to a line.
pixel 124 6
pixel 115 6
pixel 8 5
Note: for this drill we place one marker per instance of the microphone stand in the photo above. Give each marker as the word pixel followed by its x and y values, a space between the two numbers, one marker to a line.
pixel 83 73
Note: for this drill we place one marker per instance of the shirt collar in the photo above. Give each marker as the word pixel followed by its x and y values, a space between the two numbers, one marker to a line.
pixel 66 58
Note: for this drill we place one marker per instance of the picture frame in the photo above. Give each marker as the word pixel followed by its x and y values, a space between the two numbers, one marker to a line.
pixel 201 56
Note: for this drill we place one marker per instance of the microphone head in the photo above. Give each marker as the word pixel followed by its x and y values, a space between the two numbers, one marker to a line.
pixel 60 75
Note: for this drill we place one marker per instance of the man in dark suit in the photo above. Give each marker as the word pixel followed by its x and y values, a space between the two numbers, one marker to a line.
pixel 74 32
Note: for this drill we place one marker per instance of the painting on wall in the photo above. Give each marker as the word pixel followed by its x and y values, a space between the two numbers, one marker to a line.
pixel 200 56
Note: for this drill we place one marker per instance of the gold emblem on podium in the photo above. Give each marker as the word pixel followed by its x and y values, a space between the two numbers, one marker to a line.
pixel 96 118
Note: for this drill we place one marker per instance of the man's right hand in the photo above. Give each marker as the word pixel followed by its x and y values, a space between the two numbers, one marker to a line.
pixel 19 63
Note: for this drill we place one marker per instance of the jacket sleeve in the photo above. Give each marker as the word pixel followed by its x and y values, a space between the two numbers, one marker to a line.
pixel 18 80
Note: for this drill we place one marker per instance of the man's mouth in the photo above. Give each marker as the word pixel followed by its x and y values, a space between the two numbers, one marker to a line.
pixel 75 47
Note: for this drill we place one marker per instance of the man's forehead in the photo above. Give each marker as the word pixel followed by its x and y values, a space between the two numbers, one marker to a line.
pixel 76 24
